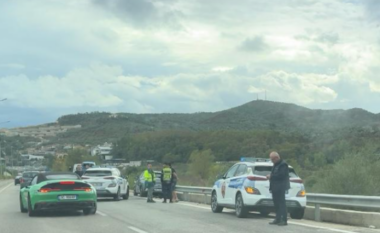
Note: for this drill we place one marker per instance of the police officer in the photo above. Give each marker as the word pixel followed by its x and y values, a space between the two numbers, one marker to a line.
pixel 166 180
pixel 279 184
pixel 149 182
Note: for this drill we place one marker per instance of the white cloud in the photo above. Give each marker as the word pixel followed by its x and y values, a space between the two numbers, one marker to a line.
pixel 173 55
pixel 222 69
pixel 102 86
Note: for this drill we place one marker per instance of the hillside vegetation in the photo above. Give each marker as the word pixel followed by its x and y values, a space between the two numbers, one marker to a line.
pixel 256 115
pixel 320 144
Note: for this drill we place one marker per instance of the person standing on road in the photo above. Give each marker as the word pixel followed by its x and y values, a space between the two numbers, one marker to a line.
pixel 166 180
pixel 79 171
pixel 279 185
pixel 174 184
pixel 149 182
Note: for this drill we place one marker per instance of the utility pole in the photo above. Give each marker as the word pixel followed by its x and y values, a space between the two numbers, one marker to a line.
pixel 1 164
pixel 12 156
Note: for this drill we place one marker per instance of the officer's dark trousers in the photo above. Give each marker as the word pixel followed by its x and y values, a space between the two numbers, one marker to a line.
pixel 280 205
pixel 167 191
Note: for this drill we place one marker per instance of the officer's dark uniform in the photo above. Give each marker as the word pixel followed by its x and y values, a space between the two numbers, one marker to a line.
pixel 279 184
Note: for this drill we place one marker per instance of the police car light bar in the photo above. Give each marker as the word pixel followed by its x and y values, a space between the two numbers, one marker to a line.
pixel 253 159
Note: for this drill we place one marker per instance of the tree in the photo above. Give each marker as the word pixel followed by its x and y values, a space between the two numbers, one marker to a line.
pixel 200 163
pixel 59 165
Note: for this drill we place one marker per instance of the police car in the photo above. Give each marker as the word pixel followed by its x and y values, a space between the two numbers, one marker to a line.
pixel 244 187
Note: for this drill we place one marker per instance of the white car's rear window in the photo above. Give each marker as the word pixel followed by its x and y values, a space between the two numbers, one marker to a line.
pixel 98 173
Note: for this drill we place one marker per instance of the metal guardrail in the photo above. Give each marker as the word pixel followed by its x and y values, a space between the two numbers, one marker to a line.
pixel 312 198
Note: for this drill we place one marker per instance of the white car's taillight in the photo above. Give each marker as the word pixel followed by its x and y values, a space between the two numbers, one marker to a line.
pixel 112 185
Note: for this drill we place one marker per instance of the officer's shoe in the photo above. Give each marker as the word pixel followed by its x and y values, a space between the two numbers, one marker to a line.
pixel 274 222
pixel 282 223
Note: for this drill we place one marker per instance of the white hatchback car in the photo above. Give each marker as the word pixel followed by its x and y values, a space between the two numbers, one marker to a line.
pixel 107 182
pixel 244 187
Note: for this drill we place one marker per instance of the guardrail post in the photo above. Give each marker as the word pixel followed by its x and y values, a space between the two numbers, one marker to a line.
pixel 206 198
pixel 317 212
pixel 186 196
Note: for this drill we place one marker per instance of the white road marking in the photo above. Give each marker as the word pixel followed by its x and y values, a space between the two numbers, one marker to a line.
pixel 137 230
pixel 294 223
pixel 322 228
pixel 100 213
pixel 1 190
pixel 196 206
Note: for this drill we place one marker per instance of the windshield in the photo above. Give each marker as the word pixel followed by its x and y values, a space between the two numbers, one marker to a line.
pixel 29 174
pixel 266 170
pixel 98 173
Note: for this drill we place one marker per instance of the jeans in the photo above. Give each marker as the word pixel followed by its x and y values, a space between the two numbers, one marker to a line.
pixel 150 193
pixel 167 191
pixel 280 205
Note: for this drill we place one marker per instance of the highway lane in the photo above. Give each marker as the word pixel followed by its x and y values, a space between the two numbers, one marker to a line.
pixel 135 215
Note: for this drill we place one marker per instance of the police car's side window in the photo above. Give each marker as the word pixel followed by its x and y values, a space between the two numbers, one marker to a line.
pixel 231 172
pixel 242 170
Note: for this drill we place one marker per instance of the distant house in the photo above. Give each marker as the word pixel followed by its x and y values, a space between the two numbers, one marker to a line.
pixel 32 157
pixel 135 163
pixel 103 150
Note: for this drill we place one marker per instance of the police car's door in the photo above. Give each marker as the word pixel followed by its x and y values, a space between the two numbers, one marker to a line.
pixel 226 199
pixel 236 183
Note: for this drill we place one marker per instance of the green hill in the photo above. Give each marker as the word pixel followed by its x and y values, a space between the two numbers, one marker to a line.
pixel 256 115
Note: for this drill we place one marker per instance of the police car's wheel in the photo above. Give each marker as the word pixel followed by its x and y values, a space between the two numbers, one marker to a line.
pixel 214 204
pixel 240 210
pixel 297 214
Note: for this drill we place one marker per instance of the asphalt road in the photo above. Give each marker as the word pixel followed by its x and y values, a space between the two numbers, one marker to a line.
pixel 137 216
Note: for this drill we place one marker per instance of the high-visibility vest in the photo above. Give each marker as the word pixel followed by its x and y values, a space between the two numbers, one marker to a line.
pixel 167 174
pixel 149 176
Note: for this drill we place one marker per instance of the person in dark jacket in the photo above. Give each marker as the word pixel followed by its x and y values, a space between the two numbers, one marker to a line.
pixel 279 185
pixel 79 171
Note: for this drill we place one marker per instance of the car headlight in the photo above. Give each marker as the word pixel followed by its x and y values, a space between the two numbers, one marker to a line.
pixel 301 193
pixel 112 185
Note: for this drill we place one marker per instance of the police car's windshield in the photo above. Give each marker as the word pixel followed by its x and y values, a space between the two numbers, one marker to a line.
pixel 266 170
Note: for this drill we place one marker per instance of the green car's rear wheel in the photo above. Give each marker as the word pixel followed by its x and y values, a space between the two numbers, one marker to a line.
pixel 31 212
pixel 90 210
pixel 22 209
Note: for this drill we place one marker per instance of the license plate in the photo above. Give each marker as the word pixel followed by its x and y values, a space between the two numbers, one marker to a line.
pixel 97 184
pixel 67 197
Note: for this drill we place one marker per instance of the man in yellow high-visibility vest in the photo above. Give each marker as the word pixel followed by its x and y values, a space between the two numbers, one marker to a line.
pixel 166 180
pixel 149 182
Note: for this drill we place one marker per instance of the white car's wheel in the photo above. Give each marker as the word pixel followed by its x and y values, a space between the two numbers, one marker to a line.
pixel 126 195
pixel 117 195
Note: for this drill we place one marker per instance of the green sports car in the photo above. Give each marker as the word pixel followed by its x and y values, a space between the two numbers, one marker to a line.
pixel 54 191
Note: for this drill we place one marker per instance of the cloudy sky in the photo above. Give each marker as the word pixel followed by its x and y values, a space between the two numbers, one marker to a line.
pixel 151 56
